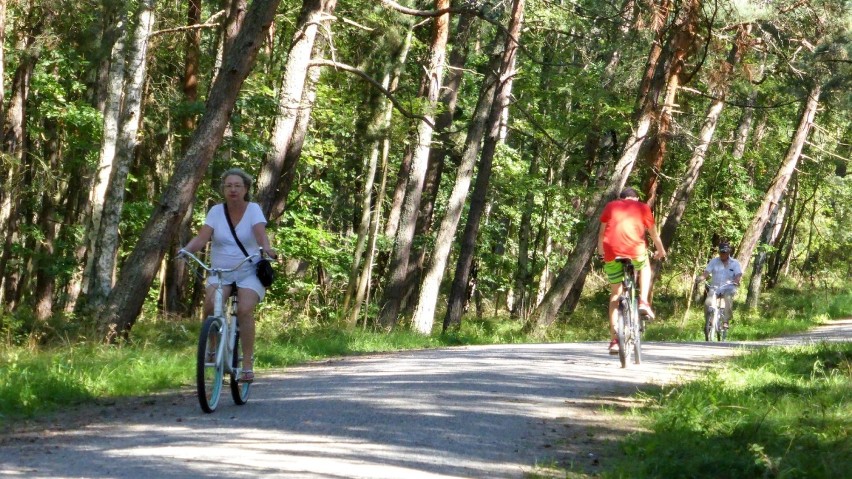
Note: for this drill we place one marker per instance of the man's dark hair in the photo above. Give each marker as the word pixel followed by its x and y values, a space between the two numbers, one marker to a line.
pixel 628 193
pixel 724 247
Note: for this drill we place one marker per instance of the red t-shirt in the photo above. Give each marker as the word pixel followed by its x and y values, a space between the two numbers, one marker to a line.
pixel 626 222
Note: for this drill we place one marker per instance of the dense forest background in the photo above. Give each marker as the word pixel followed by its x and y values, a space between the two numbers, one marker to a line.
pixel 417 160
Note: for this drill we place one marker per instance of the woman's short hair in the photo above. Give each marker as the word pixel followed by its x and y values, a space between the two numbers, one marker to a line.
pixel 247 180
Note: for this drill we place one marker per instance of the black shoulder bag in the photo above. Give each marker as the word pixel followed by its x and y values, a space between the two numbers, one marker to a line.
pixel 265 273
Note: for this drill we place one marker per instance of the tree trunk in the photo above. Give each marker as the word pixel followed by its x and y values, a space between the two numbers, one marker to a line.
pixel 14 147
pixel 362 289
pixel 679 47
pixel 788 234
pixel 424 312
pixel 377 135
pixel 779 184
pixel 106 159
pixel 392 223
pixel 2 56
pixel 522 273
pixel 174 284
pixel 770 235
pixel 467 248
pixel 44 260
pixel 233 25
pixel 106 249
pixel 300 129
pixel 392 296
pixel 125 301
pixel 438 154
pixel 290 98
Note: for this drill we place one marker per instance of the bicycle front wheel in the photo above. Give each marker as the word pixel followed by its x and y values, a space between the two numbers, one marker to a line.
pixel 709 326
pixel 209 372
pixel 239 390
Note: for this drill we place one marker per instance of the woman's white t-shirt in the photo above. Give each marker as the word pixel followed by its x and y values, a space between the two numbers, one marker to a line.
pixel 224 250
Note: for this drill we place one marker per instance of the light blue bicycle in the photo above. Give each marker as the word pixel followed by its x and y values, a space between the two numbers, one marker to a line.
pixel 219 348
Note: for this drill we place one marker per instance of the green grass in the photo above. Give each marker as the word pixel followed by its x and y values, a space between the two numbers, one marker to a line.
pixel 773 413
pixel 33 382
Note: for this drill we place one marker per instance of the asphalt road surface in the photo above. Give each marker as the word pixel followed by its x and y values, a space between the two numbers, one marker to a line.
pixel 472 412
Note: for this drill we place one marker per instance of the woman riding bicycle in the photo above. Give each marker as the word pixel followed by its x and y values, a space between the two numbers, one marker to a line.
pixel 725 273
pixel 624 223
pixel 249 225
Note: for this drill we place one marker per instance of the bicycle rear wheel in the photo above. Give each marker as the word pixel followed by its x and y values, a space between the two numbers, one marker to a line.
pixel 239 390
pixel 623 334
pixel 637 341
pixel 209 372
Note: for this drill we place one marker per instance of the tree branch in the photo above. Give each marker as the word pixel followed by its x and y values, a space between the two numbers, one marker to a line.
pixel 427 13
pixel 390 96
pixel 211 22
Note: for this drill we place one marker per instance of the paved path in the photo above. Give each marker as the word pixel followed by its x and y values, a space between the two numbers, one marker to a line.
pixel 474 412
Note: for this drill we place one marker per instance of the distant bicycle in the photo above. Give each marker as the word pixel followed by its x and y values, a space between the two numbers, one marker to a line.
pixel 630 326
pixel 219 348
pixel 714 326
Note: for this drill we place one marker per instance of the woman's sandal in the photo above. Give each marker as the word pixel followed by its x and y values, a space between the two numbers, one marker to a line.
pixel 247 376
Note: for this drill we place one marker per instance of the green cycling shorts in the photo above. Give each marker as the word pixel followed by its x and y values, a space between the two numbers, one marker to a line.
pixel 615 270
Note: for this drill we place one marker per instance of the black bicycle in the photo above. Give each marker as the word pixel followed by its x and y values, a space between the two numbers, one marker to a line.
pixel 629 327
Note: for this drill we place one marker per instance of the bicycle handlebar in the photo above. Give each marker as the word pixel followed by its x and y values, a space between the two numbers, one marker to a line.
pixel 183 254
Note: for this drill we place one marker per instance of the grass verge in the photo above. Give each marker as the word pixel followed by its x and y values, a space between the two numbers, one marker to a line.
pixel 777 412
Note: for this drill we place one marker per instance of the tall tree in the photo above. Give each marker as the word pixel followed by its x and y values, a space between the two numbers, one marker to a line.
pixel 377 134
pixel 455 302
pixel 114 93
pixel 433 77
pixel 125 300
pixel 425 310
pixel 779 184
pixel 303 118
pixel 448 98
pixel 106 248
pixel 14 146
pixel 679 200
pixel 290 98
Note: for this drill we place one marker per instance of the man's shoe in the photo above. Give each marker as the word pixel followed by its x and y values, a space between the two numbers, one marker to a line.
pixel 645 310
pixel 613 346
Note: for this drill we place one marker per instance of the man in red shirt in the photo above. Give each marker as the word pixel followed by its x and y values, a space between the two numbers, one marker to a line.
pixel 624 223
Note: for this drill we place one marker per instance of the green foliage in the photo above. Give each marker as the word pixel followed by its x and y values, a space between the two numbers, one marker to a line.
pixel 774 413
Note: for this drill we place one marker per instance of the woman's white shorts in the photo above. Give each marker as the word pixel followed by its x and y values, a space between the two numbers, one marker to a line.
pixel 245 277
